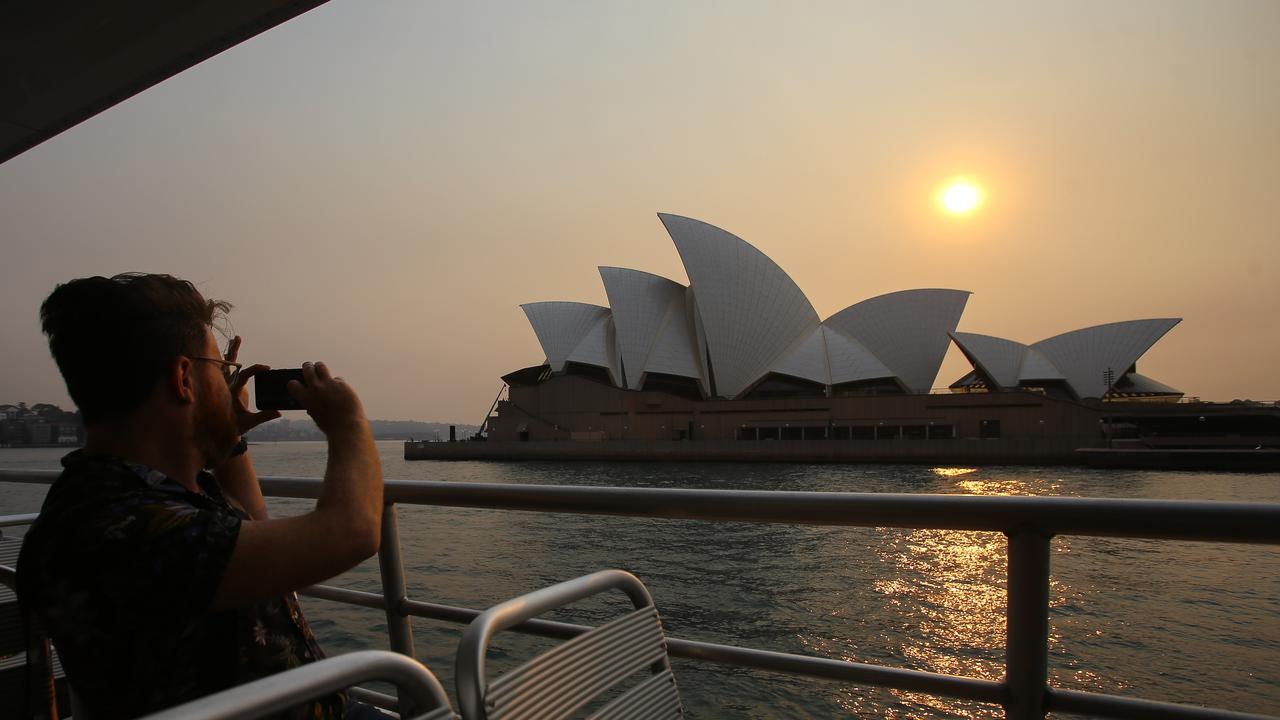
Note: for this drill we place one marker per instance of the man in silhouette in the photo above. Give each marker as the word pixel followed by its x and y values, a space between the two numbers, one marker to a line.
pixel 153 564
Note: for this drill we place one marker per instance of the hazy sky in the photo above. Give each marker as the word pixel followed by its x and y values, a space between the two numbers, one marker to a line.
pixel 380 185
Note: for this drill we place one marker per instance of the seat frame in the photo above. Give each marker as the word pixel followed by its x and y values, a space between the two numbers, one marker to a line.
pixel 474 689
pixel 420 690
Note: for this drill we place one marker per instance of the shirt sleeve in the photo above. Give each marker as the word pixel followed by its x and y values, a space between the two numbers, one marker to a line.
pixel 161 555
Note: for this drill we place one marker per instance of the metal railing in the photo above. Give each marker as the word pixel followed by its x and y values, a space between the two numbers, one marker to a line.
pixel 1028 522
pixel 18 520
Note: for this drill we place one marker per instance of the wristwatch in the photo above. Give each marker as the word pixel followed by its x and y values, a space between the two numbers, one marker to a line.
pixel 240 448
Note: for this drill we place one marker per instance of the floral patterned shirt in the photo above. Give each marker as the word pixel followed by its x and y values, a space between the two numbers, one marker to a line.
pixel 121 566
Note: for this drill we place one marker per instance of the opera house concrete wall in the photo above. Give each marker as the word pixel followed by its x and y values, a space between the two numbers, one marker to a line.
pixel 577 416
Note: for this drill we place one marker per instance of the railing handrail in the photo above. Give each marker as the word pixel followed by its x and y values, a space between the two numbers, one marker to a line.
pixel 1201 520
pixel 1028 521
pixel 22 519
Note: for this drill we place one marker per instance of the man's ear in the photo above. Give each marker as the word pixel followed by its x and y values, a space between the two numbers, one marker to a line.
pixel 181 379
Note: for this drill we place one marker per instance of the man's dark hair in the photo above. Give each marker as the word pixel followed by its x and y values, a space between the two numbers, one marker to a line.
pixel 113 338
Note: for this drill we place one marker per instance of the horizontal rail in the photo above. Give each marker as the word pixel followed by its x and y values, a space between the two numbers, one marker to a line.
pixel 1087 703
pixel 1202 520
pixel 13 520
pixel 1155 519
pixel 824 668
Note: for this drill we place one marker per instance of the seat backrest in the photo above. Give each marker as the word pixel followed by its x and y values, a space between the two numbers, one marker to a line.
pixel 419 689
pixel 577 671
pixel 16 635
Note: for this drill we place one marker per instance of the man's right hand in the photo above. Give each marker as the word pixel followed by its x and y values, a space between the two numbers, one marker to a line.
pixel 331 402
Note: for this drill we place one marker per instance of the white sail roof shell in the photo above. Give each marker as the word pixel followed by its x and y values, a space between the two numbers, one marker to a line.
pixel 562 326
pixel 908 331
pixel 998 358
pixel 849 360
pixel 1035 366
pixel 1081 358
pixel 1141 384
pixel 599 348
pixel 751 311
pixel 808 360
pixel 830 357
pixel 1085 355
pixel 642 303
pixel 694 318
pixel 674 351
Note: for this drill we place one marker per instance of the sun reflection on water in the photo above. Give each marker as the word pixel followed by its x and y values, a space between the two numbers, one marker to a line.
pixel 947 590
pixel 980 484
pixel 948 472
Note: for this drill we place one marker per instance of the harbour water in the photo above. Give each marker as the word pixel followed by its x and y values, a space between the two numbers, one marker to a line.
pixel 1181 622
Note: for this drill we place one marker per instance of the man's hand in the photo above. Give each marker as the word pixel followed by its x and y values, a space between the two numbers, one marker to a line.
pixel 246 420
pixel 330 401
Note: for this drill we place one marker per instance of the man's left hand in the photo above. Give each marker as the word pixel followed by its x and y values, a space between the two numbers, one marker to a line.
pixel 246 419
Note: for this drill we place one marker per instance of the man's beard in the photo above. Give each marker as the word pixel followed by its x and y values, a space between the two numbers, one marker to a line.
pixel 215 428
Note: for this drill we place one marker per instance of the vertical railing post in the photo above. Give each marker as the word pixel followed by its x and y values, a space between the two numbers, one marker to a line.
pixel 1027 640
pixel 391 567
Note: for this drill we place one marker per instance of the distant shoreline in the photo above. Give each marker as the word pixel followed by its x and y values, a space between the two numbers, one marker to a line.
pixel 251 440
pixel 286 429
pixel 320 439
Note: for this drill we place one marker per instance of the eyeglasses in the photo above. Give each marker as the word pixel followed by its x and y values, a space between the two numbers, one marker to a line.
pixel 229 369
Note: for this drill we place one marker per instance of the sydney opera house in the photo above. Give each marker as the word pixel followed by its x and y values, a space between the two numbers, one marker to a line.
pixel 739 365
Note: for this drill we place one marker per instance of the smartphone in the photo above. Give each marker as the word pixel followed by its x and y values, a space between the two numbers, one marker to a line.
pixel 270 391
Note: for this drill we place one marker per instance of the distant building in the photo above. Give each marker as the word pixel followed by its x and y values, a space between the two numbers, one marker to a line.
pixel 13 432
pixel 40 425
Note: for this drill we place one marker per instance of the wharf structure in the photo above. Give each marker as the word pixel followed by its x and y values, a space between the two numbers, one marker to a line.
pixel 738 366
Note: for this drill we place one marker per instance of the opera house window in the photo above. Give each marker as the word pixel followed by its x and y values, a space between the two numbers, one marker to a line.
pixel 989 429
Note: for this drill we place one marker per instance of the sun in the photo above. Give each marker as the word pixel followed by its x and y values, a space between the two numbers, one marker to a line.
pixel 960 197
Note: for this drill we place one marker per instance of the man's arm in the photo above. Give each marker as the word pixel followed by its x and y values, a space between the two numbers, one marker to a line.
pixel 239 482
pixel 235 475
pixel 272 557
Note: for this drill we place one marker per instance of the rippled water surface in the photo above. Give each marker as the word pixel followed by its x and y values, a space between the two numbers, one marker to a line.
pixel 1183 622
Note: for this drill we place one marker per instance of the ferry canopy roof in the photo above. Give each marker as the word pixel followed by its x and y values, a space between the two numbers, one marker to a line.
pixel 63 63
